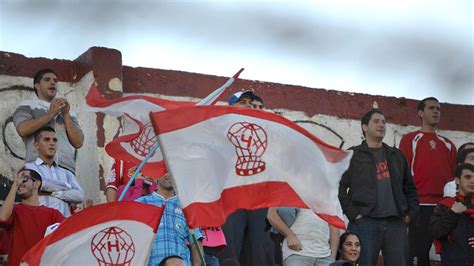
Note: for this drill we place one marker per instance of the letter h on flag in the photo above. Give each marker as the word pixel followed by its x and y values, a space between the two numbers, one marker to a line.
pixel 118 233
pixel 224 158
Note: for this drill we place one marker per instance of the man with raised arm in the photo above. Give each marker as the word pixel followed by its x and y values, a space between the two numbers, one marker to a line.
pixel 26 222
pixel 48 110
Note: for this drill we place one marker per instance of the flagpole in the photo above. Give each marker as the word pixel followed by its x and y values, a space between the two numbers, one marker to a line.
pixel 157 145
pixel 191 231
pixel 200 251
pixel 212 98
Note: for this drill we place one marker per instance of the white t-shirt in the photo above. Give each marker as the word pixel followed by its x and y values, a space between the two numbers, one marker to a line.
pixel 450 189
pixel 313 234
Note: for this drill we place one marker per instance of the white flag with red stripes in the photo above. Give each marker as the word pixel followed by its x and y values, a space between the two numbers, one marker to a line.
pixel 118 233
pixel 138 137
pixel 226 158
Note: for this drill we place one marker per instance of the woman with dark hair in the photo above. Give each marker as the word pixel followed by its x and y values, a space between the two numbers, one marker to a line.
pixel 348 251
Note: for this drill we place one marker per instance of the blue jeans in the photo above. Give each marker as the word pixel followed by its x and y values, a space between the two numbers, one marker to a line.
pixel 299 260
pixel 388 235
pixel 211 260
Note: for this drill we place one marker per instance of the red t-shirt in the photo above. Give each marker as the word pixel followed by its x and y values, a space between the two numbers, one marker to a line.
pixel 27 226
pixel 5 242
pixel 432 159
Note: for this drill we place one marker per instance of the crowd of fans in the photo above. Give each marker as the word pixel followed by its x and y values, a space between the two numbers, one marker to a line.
pixel 397 200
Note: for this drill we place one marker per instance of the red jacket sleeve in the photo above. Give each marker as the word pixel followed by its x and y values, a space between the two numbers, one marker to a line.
pixel 405 147
pixel 114 178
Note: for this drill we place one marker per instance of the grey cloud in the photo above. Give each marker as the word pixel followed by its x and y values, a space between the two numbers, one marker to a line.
pixel 419 51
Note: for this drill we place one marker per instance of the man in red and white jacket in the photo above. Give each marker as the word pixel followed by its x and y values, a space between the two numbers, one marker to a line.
pixel 432 159
pixel 118 178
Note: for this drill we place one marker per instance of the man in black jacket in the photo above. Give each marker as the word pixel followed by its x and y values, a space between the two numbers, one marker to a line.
pixel 452 222
pixel 378 196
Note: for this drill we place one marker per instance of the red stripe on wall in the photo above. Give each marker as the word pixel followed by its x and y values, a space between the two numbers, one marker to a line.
pixel 311 101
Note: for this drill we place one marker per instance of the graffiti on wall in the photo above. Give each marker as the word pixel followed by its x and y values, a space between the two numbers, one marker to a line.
pixel 10 142
pixel 318 129
pixel 13 148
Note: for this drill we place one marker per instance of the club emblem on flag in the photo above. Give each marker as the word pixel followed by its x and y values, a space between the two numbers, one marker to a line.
pixel 250 141
pixel 113 246
pixel 143 144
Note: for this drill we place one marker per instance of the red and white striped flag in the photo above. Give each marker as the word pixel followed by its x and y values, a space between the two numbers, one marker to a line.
pixel 138 137
pixel 118 233
pixel 226 158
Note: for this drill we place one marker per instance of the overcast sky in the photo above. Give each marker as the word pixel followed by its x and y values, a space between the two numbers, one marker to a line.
pixel 408 48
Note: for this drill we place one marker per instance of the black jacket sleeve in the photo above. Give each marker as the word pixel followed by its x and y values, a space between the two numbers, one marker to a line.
pixel 409 189
pixel 442 222
pixel 346 203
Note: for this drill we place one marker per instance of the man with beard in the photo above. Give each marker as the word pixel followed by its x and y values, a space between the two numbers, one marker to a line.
pixel 432 159
pixel 26 222
pixel 48 110
pixel 170 243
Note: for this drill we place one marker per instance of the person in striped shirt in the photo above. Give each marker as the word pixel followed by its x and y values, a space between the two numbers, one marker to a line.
pixel 170 246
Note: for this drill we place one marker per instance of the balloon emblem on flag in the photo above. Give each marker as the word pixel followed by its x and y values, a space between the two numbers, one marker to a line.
pixel 250 141
pixel 113 246
pixel 144 143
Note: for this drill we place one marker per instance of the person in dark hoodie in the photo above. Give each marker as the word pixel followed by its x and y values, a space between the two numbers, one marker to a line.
pixel 452 222
pixel 378 196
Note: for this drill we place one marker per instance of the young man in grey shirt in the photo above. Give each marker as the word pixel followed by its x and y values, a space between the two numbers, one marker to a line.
pixel 47 110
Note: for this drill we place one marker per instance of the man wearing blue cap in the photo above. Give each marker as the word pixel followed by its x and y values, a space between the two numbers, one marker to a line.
pixel 242 99
pixel 244 230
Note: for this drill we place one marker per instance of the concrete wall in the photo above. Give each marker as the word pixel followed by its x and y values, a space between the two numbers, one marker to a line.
pixel 333 116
